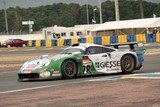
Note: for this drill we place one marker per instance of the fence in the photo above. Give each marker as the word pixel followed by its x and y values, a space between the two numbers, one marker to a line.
pixel 101 40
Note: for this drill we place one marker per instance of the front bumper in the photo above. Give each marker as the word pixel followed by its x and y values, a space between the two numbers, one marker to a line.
pixel 35 76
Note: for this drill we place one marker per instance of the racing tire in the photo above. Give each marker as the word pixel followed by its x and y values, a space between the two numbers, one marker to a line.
pixel 69 69
pixel 127 64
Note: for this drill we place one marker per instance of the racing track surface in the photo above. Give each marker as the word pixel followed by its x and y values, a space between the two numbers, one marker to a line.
pixel 136 90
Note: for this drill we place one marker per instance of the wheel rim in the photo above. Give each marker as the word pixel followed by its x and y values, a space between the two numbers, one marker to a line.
pixel 70 68
pixel 128 63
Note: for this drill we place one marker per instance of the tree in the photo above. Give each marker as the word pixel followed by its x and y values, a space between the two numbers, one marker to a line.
pixel 141 8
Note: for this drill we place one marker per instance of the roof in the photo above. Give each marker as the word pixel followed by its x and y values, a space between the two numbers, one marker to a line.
pixel 88 27
pixel 126 24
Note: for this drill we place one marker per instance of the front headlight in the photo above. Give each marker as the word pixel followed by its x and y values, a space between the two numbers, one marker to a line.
pixel 45 74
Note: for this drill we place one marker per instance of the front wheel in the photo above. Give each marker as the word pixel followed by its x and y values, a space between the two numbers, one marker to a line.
pixel 69 69
pixel 127 64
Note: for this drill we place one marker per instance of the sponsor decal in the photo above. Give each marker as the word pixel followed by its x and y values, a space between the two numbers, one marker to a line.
pixel 30 68
pixel 56 73
pixel 108 64
pixel 87 69
pixel 86 65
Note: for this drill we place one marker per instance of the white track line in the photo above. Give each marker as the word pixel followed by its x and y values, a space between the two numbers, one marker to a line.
pixel 41 87
pixel 34 88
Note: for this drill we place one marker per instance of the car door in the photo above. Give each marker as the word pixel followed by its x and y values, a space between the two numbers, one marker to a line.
pixel 98 57
pixel 113 63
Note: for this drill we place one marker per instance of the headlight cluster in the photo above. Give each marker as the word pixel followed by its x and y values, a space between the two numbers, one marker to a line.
pixel 45 74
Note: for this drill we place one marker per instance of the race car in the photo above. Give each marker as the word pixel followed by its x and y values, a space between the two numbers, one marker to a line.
pixel 84 59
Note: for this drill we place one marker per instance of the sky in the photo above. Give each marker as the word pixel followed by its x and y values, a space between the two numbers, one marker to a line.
pixel 35 3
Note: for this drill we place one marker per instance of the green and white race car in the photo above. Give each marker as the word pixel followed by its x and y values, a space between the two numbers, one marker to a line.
pixel 83 59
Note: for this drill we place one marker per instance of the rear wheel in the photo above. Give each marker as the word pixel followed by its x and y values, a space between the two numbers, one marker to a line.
pixel 69 69
pixel 127 64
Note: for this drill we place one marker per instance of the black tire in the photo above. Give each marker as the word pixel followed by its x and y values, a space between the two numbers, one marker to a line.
pixel 69 69
pixel 127 64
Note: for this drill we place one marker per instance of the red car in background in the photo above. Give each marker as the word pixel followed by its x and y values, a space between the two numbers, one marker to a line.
pixel 14 43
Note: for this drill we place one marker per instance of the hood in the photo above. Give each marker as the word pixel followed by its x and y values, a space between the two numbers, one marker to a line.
pixel 60 56
pixel 30 66
pixel 44 61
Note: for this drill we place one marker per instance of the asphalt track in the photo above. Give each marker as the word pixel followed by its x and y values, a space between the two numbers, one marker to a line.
pixel 9 84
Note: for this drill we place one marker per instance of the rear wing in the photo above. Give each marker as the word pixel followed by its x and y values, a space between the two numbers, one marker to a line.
pixel 131 45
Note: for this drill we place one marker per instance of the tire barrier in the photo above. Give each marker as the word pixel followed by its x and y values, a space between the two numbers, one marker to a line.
pixel 98 40
pixel 158 37
pixel 30 43
pixel 131 38
pixel 82 40
pixel 43 43
pixel 60 42
pixel 122 38
pixel 67 42
pixel 113 39
pixel 38 43
pixel 74 41
pixel 151 37
pixel 89 39
pixel 54 42
pixel 48 43
pixel 104 40
pixel 33 43
pixel 141 38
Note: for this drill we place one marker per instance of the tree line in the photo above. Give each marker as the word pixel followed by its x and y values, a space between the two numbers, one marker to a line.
pixel 63 14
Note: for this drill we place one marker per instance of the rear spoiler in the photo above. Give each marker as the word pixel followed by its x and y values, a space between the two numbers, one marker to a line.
pixel 131 45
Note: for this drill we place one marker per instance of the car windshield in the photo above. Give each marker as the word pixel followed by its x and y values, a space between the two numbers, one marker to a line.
pixel 72 50
pixel 9 40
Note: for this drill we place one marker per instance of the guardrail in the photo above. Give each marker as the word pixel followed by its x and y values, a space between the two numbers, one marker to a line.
pixel 104 40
